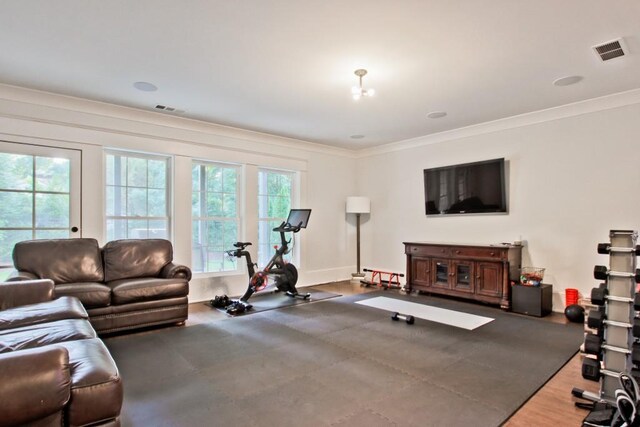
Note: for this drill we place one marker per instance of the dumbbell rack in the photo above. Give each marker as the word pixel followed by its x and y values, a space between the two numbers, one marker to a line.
pixel 614 319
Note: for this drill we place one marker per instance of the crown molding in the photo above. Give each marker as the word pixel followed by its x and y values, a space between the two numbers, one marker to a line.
pixel 160 121
pixel 607 102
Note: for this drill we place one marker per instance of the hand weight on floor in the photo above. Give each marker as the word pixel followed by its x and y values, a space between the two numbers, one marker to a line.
pixel 407 318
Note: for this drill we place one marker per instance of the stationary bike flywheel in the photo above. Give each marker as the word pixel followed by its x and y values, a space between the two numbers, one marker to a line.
pixel 259 281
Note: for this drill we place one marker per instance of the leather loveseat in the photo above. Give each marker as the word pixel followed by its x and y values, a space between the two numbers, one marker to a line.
pixel 124 285
pixel 54 370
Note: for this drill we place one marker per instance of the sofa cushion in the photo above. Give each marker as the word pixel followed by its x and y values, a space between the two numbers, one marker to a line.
pixel 45 333
pixel 61 260
pixel 90 294
pixel 133 258
pixel 136 290
pixel 33 314
pixel 96 387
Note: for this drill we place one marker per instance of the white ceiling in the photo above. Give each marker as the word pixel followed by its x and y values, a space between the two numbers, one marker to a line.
pixel 286 67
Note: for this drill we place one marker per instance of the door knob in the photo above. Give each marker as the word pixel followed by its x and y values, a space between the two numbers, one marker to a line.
pixel 74 229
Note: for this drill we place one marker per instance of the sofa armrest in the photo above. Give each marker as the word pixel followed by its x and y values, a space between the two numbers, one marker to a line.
pixel 15 294
pixel 172 271
pixel 35 383
pixel 17 275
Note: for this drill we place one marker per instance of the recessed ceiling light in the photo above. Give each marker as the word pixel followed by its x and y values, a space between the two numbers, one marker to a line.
pixel 568 80
pixel 436 114
pixel 357 136
pixel 145 86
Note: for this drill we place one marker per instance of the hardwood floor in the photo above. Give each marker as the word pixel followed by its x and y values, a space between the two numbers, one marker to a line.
pixel 552 405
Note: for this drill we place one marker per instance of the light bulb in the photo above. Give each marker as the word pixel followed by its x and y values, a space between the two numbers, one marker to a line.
pixel 371 92
pixel 356 96
pixel 356 90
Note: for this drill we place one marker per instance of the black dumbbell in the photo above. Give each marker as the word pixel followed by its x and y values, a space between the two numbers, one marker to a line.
pixel 599 294
pixel 590 369
pixel 600 272
pixel 593 344
pixel 407 318
pixel 636 328
pixel 596 319
pixel 605 248
pixel 636 302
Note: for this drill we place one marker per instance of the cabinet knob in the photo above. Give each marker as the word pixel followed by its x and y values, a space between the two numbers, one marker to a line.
pixel 442 250
pixel 458 252
pixel 492 253
pixel 477 277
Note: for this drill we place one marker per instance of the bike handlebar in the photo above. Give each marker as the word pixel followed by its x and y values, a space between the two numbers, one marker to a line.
pixel 285 227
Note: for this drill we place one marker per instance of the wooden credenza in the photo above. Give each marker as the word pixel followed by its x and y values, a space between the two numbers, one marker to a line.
pixel 478 272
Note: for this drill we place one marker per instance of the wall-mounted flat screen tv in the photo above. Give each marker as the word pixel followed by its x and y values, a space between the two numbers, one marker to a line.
pixel 469 188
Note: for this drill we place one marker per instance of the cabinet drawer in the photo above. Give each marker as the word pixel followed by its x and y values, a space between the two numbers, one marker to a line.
pixel 488 253
pixel 427 250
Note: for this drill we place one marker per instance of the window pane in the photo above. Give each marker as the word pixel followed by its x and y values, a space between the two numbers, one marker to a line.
pixel 229 206
pixel 273 184
pixel 214 233
pixel 116 201
pixel 263 205
pixel 195 204
pixel 136 202
pixel 16 172
pixel 116 229
pixel 116 170
pixel 52 234
pixel 158 229
pixel 214 178
pixel 195 177
pixel 8 239
pixel 157 174
pixel 52 210
pixel 158 203
pixel 53 174
pixel 229 180
pixel 137 229
pixel 136 172
pixel 16 209
pixel 230 234
pixel 214 204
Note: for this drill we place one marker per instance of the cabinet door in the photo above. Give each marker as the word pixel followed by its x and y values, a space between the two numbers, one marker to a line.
pixel 421 274
pixel 463 276
pixel 441 270
pixel 489 278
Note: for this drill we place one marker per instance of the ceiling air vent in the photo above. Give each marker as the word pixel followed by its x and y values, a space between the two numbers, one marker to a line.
pixel 168 109
pixel 611 49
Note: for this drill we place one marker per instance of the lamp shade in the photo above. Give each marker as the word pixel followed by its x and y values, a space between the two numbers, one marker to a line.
pixel 357 204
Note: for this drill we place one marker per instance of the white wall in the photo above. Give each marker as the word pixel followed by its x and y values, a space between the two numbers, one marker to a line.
pixel 326 175
pixel 571 180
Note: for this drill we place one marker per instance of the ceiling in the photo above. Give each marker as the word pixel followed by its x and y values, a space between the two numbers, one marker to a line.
pixel 287 67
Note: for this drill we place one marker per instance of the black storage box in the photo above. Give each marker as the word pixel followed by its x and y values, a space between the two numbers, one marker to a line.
pixel 532 300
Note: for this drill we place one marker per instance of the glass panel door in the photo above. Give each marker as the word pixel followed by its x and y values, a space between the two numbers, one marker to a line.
pixel 442 273
pixel 39 195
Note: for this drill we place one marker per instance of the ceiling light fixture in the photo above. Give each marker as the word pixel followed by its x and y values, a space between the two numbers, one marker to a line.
pixel 145 86
pixel 568 80
pixel 358 91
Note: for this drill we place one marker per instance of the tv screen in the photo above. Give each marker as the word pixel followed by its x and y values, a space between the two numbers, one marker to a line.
pixel 466 188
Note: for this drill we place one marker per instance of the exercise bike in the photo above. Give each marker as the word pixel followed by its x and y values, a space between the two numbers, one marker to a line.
pixel 285 274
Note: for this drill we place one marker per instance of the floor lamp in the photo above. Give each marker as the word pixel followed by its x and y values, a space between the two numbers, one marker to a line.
pixel 358 205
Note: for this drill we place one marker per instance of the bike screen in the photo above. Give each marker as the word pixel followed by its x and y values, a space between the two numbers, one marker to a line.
pixel 299 217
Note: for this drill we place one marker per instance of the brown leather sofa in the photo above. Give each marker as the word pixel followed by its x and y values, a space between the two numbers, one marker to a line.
pixel 124 285
pixel 54 371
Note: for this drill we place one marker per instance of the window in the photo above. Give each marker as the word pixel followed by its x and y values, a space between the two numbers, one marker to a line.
pixel 215 212
pixel 275 192
pixel 39 195
pixel 137 196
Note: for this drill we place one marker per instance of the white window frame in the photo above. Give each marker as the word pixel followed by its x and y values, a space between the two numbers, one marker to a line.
pixel 168 190
pixel 238 218
pixel 75 201
pixel 293 255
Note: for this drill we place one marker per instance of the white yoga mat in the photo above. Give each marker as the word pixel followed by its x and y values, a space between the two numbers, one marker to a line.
pixel 426 312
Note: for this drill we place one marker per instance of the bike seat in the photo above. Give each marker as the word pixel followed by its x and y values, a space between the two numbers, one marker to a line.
pixel 241 245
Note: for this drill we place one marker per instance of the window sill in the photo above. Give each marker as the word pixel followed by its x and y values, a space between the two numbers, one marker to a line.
pixel 218 274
